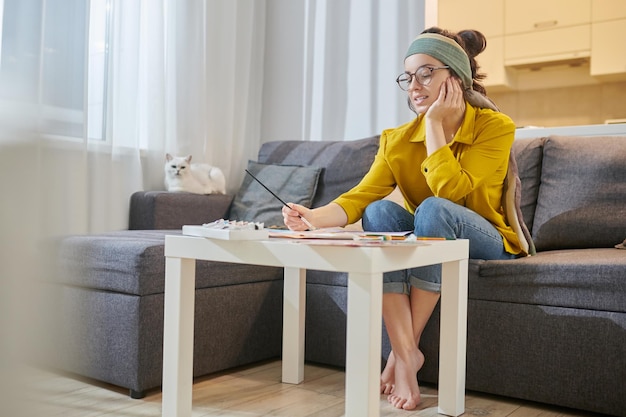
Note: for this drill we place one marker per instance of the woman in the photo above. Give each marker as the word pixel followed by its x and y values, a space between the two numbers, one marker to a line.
pixel 450 164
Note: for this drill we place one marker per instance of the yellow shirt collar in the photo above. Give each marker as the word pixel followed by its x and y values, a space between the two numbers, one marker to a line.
pixel 465 134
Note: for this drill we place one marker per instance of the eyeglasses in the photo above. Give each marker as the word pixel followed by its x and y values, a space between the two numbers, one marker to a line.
pixel 423 76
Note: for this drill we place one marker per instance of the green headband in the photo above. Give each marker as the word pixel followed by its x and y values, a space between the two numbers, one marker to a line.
pixel 445 50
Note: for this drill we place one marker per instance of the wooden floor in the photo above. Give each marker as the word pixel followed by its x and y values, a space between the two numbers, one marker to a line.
pixel 249 392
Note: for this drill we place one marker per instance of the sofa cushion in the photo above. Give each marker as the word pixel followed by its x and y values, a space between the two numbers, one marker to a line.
pixel 344 162
pixel 133 262
pixel 590 279
pixel 292 183
pixel 582 196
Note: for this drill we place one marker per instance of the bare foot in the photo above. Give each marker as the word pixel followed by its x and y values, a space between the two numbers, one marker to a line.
pixel 406 393
pixel 387 376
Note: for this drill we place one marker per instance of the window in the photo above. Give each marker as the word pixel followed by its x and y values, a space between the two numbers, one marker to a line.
pixel 54 55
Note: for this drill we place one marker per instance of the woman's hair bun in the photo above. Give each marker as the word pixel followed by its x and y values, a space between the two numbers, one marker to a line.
pixel 473 41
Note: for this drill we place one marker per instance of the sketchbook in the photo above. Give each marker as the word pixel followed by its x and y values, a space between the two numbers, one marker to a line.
pixel 338 234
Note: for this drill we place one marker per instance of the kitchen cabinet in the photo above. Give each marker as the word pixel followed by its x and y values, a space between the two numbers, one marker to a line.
pixel 539 15
pixel 603 10
pixel 531 34
pixel 545 31
pixel 608 54
pixel 549 46
pixel 456 15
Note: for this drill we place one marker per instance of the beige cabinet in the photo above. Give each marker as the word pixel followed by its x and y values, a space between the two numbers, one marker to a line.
pixel 456 15
pixel 548 46
pixel 537 33
pixel 491 62
pixel 603 10
pixel 608 25
pixel 538 15
pixel 543 31
pixel 608 54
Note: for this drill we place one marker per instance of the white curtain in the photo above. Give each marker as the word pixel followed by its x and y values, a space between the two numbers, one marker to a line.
pixel 355 52
pixel 331 67
pixel 208 78
pixel 234 62
pixel 183 77
pixel 185 80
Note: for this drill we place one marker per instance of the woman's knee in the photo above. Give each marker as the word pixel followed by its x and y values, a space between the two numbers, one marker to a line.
pixel 432 207
pixel 434 217
pixel 379 208
pixel 385 216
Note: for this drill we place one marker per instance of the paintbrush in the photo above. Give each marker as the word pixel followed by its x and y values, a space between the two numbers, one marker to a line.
pixel 305 221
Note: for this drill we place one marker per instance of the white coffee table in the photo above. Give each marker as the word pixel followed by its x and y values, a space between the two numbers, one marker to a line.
pixel 365 266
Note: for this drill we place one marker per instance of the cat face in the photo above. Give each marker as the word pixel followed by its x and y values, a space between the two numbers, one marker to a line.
pixel 177 166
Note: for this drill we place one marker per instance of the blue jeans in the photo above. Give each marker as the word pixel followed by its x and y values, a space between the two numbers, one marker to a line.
pixel 435 217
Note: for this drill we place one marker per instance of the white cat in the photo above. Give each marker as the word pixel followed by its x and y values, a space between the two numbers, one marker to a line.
pixel 182 175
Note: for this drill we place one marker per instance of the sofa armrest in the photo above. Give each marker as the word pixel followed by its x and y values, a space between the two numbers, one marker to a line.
pixel 162 210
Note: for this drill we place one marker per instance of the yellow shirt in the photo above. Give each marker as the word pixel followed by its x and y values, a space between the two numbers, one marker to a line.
pixel 469 171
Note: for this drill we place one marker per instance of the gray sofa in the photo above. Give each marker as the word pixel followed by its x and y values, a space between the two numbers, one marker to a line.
pixel 548 328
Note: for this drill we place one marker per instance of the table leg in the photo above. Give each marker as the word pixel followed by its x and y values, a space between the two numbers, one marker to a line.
pixel 363 350
pixel 294 307
pixel 180 277
pixel 453 338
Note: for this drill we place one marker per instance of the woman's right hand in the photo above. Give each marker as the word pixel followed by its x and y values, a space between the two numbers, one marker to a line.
pixel 450 103
pixel 292 216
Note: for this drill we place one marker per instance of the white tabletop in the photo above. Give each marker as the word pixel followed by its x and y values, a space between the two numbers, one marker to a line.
pixel 318 254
